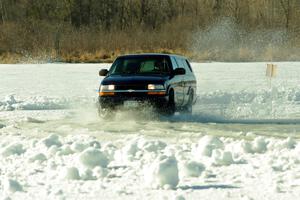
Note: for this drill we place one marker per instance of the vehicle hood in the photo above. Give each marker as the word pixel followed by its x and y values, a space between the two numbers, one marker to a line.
pixel 133 80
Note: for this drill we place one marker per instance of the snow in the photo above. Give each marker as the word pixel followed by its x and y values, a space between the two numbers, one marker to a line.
pixel 13 149
pixel 222 158
pixel 259 145
pixel 12 186
pixel 207 144
pixel 162 173
pixel 40 157
pixel 32 103
pixel 242 141
pixel 92 157
pixel 192 169
pixel 52 140
pixel 154 170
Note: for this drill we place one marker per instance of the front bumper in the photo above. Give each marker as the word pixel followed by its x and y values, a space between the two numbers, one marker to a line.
pixel 118 99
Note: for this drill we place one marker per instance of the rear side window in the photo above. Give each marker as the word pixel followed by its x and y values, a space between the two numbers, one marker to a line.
pixel 189 65
pixel 184 64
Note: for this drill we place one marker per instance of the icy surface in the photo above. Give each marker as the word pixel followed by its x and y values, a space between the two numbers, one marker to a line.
pixel 240 143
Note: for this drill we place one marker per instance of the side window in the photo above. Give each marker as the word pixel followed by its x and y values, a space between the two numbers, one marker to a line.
pixel 189 65
pixel 174 63
pixel 182 63
pixel 179 63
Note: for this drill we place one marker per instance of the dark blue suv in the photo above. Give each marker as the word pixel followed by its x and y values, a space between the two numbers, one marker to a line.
pixel 164 81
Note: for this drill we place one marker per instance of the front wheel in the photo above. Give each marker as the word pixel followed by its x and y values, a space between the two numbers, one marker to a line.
pixel 105 113
pixel 169 109
pixel 188 109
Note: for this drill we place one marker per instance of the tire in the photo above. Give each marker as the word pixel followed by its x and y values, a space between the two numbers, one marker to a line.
pixel 169 109
pixel 105 113
pixel 188 109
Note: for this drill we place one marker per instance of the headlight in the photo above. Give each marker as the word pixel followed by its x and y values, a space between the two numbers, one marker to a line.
pixel 155 87
pixel 107 87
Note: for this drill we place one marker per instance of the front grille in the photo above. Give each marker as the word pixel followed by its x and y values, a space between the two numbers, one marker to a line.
pixel 131 87
pixel 132 94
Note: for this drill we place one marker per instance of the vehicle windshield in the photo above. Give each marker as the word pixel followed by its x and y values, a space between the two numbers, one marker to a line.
pixel 141 65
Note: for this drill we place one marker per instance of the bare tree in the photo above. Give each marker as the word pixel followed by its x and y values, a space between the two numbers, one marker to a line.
pixel 217 8
pixel 286 6
pixel 3 11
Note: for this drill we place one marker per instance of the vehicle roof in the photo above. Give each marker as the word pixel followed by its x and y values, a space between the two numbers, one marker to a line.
pixel 151 54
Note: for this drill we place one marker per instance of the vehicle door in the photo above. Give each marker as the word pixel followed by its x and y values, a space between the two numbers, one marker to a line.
pixel 178 84
pixel 188 80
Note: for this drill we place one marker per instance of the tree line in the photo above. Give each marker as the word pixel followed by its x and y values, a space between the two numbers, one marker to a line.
pixel 69 26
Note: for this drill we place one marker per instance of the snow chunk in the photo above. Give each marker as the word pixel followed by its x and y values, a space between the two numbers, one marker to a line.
pixel 13 149
pixel 7 104
pixel 193 169
pixel 53 150
pixel 72 173
pixel 10 99
pixel 289 143
pixel 100 172
pixel 207 144
pixel 92 157
pixel 130 149
pixel 247 147
pixel 162 173
pixel 6 198
pixel 78 146
pixel 280 164
pixel 179 197
pixel 88 175
pixel 65 150
pixel 128 152
pixel 109 150
pixel 34 103
pixel 151 146
pixel 51 141
pixel 222 158
pixel 38 157
pixel 32 120
pixel 41 103
pixel 12 186
pixel 259 145
pixel 95 144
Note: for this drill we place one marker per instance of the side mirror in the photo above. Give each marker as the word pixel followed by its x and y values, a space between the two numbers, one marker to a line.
pixel 179 71
pixel 103 72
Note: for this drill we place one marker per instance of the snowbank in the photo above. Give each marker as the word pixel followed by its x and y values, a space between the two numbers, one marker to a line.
pixel 144 164
pixel 9 103
pixel 46 154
